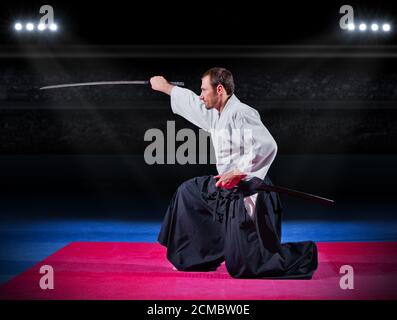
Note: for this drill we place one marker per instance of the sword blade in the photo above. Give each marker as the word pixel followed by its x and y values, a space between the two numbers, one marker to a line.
pixel 296 193
pixel 100 83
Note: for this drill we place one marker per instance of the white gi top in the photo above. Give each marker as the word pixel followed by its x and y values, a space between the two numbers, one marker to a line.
pixel 240 139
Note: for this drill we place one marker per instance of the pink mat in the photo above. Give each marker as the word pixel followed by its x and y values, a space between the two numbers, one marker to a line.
pixel 91 270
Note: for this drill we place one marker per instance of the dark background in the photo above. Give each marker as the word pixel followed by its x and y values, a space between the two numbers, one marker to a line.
pixel 198 22
pixel 327 96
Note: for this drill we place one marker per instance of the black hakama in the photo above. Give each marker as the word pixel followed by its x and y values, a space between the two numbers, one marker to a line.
pixel 205 225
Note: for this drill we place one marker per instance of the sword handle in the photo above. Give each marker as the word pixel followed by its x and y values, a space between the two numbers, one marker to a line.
pixel 178 83
pixel 175 83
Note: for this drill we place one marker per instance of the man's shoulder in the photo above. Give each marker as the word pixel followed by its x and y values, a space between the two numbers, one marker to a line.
pixel 242 109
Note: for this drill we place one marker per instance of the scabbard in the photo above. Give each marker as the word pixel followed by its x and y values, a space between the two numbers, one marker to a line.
pixel 295 193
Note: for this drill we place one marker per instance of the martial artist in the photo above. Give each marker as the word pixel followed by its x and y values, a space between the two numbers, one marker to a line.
pixel 219 218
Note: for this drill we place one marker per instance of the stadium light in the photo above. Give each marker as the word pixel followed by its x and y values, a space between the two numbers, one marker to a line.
pixel 53 27
pixel 351 26
pixel 30 26
pixel 374 27
pixel 41 27
pixel 18 26
pixel 386 27
pixel 362 27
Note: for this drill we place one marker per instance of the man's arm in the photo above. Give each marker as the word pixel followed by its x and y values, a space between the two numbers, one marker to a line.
pixel 261 147
pixel 185 103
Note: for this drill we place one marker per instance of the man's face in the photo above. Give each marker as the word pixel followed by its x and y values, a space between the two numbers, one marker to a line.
pixel 208 95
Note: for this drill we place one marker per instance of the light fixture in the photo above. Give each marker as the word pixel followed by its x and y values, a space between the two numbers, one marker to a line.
pixel 30 26
pixel 53 27
pixel 362 27
pixel 351 26
pixel 18 26
pixel 386 27
pixel 374 27
pixel 41 27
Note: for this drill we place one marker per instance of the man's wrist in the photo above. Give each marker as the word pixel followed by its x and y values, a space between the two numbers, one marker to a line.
pixel 168 88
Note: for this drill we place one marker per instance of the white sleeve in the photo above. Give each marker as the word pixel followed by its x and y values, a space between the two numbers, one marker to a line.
pixel 188 105
pixel 260 148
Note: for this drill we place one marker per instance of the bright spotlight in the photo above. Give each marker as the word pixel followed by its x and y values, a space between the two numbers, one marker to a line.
pixel 386 27
pixel 362 27
pixel 18 26
pixel 53 27
pixel 41 26
pixel 351 26
pixel 29 26
pixel 374 27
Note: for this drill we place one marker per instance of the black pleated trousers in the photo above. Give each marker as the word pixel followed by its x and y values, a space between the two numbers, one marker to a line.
pixel 205 226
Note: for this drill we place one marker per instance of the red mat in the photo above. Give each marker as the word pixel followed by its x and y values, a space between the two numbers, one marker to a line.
pixel 84 270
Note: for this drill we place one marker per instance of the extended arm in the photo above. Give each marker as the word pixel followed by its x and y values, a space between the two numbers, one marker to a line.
pixel 185 103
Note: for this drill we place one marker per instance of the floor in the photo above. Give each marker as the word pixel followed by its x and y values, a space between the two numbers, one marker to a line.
pixel 138 270
pixel 26 242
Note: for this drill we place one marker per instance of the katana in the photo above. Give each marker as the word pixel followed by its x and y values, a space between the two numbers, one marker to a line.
pixel 101 83
pixel 295 193
pixel 256 184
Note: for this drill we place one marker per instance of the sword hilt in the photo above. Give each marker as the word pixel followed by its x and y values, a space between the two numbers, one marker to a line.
pixel 178 83
pixel 175 83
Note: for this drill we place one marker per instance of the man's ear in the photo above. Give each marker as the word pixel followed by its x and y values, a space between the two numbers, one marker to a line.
pixel 219 89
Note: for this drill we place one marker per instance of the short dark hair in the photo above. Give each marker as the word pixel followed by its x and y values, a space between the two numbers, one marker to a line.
pixel 221 76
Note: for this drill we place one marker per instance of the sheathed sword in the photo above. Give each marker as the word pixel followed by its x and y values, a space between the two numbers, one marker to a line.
pixel 298 194
pixel 256 184
pixel 101 83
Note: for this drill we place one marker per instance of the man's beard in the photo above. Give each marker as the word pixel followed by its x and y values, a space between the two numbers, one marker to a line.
pixel 208 107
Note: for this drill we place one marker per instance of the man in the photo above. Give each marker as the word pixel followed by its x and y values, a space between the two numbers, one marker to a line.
pixel 212 219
